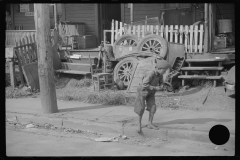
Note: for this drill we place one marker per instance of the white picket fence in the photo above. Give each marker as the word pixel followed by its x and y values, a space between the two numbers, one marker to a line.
pixel 191 36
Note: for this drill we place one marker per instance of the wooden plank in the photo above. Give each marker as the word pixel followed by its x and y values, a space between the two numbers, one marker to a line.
pixel 206 60
pixel 191 39
pixel 176 33
pixel 138 31
pixel 202 68
pixel 129 29
pixel 158 29
pixel 166 33
pixel 76 66
pixel 134 30
pixel 201 39
pixel 199 77
pixel 112 33
pixel 121 28
pixel 143 30
pixel 196 38
pixel 151 28
pixel 181 34
pixel 72 72
pixel 31 74
pixel 171 33
pixel 116 30
pixel 130 83
pixel 186 37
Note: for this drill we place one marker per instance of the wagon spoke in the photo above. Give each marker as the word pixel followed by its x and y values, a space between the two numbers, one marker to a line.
pixel 147 45
pixel 150 42
pixel 157 44
pixel 154 43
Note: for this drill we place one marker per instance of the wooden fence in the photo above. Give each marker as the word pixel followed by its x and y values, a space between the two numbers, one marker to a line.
pixel 15 35
pixel 191 36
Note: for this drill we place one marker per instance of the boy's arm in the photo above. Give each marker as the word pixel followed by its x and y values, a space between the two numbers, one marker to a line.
pixel 146 80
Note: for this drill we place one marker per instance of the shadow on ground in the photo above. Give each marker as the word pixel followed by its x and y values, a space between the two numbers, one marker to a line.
pixel 193 121
pixel 85 108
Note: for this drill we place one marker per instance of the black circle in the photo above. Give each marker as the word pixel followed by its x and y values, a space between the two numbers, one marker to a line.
pixel 219 134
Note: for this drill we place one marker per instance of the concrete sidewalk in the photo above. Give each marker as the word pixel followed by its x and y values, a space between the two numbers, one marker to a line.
pixel 115 120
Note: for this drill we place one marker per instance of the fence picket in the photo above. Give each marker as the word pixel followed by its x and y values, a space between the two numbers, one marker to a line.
pixel 162 31
pixel 196 37
pixel 138 31
pixel 166 32
pixel 151 28
pixel 191 38
pixel 186 37
pixel 176 33
pixel 133 31
pixel 181 34
pixel 157 29
pixel 171 33
pixel 201 39
pixel 121 29
pixel 116 30
pixel 112 32
pixel 143 30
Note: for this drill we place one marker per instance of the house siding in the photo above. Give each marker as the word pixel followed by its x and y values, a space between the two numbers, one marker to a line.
pixel 141 10
pixel 82 13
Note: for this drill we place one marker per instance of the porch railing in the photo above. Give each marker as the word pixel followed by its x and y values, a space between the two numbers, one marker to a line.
pixel 189 35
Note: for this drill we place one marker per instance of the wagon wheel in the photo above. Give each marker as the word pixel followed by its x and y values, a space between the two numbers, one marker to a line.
pixel 125 40
pixel 153 43
pixel 124 70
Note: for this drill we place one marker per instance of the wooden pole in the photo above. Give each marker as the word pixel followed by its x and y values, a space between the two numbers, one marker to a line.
pixel 55 16
pixel 206 28
pixel 45 58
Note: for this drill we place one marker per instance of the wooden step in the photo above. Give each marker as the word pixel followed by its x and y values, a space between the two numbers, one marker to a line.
pixel 206 60
pixel 85 53
pixel 199 77
pixel 202 68
pixel 73 72
pixel 76 66
pixel 83 60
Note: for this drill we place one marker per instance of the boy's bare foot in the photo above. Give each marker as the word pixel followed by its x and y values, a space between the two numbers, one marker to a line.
pixel 151 126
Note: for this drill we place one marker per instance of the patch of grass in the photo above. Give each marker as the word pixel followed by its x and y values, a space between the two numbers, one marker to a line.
pixel 11 92
pixel 80 83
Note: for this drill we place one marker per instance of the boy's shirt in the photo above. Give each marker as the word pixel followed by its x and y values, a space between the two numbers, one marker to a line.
pixel 151 80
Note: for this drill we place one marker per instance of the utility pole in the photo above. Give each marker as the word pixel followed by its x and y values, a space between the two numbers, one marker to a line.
pixel 45 58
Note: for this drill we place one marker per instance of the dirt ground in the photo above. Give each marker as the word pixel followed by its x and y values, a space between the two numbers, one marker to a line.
pixel 217 99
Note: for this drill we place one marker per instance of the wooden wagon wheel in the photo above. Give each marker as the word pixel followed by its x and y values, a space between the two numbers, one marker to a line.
pixel 125 40
pixel 153 43
pixel 124 69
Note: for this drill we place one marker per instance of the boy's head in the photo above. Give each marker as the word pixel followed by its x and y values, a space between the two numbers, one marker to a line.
pixel 162 66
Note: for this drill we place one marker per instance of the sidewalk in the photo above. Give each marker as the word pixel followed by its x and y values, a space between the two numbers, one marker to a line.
pixel 115 120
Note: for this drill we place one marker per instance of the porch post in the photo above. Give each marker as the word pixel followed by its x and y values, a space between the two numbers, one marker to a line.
pixel 131 12
pixel 206 28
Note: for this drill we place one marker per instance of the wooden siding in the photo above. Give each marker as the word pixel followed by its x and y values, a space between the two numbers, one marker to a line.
pixel 82 13
pixel 141 10
pixel 20 19
pixel 28 21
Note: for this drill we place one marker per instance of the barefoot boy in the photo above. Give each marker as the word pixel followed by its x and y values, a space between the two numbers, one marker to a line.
pixel 146 93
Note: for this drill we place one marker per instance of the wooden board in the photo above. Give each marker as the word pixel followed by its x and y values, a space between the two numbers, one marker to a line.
pixel 175 50
pixel 72 72
pixel 206 60
pixel 30 72
pixel 202 68
pixel 144 66
pixel 199 77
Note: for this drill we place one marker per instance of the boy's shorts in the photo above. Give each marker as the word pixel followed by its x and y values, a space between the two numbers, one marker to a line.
pixel 140 100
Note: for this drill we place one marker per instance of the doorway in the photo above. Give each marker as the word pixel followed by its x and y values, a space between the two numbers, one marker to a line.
pixel 108 12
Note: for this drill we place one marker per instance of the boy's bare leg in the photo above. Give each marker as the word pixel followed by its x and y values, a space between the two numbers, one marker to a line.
pixel 139 124
pixel 150 125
